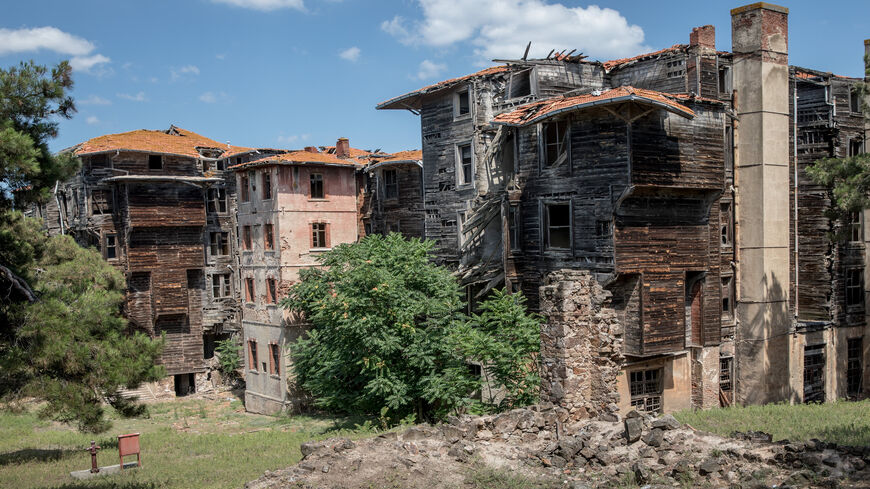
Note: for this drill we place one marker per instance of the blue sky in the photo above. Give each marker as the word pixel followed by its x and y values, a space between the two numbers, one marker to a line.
pixel 291 73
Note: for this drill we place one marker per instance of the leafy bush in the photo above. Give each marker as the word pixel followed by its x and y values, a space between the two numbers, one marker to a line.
pixel 387 332
pixel 229 356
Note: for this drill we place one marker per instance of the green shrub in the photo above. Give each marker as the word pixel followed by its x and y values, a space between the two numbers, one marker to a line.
pixel 229 356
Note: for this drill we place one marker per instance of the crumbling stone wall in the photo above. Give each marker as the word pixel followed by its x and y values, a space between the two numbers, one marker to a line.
pixel 581 345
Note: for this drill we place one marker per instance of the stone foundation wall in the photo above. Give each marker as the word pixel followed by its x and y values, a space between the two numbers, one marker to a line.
pixel 581 345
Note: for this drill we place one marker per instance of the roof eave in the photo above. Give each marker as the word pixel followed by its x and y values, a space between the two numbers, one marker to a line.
pixel 688 114
pixel 394 162
pixel 245 166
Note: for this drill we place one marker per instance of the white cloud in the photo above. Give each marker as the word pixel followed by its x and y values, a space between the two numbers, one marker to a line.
pixel 94 100
pixel 502 28
pixel 184 71
pixel 87 63
pixel 213 97
pixel 139 97
pixel 92 120
pixel 51 38
pixel 265 5
pixel 430 69
pixel 220 56
pixel 293 138
pixel 350 54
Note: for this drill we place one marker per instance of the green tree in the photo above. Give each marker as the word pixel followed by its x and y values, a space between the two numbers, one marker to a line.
pixel 848 178
pixel 505 340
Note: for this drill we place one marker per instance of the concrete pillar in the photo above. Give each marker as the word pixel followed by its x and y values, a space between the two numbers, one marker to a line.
pixel 760 46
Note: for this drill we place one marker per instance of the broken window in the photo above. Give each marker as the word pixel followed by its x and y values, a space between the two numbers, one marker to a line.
pixel 725 373
pixel 271 291
pixel 557 226
pixel 252 179
pixel 726 225
pixel 217 200
pixel 99 161
pixel 267 185
pixel 220 243
pixel 461 217
pixel 243 188
pixel 854 372
pixel 316 180
pixel 220 285
pixel 465 172
pixel 155 162
pixel 854 287
pixel 645 387
pixel 274 359
pixel 462 103
pixel 725 79
pixel 221 165
pixel 814 373
pixel 249 290
pixel 101 202
pixel 268 237
pixel 520 84
pixel 514 226
pixel 603 229
pixel 252 354
pixel 555 143
pixel 111 248
pixel 318 235
pixel 856 147
pixel 246 238
pixel 728 299
pixel 854 101
pixel 853 226
pixel 391 184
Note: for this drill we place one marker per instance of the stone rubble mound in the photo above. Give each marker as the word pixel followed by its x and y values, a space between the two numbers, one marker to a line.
pixel 638 450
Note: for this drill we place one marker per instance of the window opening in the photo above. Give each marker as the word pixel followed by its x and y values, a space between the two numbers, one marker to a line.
pixel 854 287
pixel 466 162
pixel 267 185
pixel 268 237
pixel 391 184
pixel 155 162
pixel 814 373
pixel 217 200
pixel 555 143
pixel 854 372
pixel 645 387
pixel 316 186
pixel 220 285
pixel 220 245
pixel 111 246
pixel 318 235
pixel 558 226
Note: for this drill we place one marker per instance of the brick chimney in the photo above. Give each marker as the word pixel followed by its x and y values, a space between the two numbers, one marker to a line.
pixel 342 148
pixel 759 36
pixel 701 67
pixel 311 149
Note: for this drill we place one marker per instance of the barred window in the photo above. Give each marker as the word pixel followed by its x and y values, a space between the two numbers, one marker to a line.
pixel 645 387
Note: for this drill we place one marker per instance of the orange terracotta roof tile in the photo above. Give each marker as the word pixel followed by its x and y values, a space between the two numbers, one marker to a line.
pixel 442 85
pixel 354 152
pixel 299 157
pixel 410 155
pixel 609 65
pixel 538 111
pixel 184 143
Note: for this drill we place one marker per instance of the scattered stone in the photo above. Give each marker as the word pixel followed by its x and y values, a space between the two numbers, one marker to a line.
pixel 414 433
pixel 453 433
pixel 653 438
pixel 484 435
pixel 641 472
pixel 308 448
pixel 709 466
pixel 505 423
pixel 666 422
pixel 633 428
pixel 609 417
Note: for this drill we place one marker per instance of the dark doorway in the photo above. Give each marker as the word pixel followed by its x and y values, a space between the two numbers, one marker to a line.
pixel 185 384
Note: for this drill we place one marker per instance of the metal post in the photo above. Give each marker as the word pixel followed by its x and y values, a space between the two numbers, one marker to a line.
pixel 93 449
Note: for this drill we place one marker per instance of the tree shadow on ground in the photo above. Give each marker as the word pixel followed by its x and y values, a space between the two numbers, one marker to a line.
pixel 107 484
pixel 33 455
pixel 846 435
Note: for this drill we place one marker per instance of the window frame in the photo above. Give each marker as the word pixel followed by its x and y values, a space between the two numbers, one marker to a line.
pixel 391 189
pixel 222 283
pixel 854 101
pixel 271 291
pixel 546 241
pixel 562 144
pixel 319 236
pixel 253 359
pixel 727 293
pixel 515 226
pixel 250 290
pixel 114 247
pixel 509 89
pixel 217 200
pixel 266 182
pixel 457 103
pixel 854 366
pixel 219 246
pixel 274 359
pixel 159 159
pixel 460 165
pixel 104 206
pixel 853 283
pixel 726 225
pixel 244 192
pixel 268 237
pixel 315 179
pixel 646 392
pixel 247 238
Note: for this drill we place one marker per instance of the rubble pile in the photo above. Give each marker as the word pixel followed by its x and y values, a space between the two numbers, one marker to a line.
pixel 638 450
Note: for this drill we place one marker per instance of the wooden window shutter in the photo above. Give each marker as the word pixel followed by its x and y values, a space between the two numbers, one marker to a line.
pixel 311 234
pixel 328 243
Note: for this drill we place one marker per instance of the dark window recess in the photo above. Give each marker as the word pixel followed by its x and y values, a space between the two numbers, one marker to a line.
pixel 220 285
pixel 221 165
pixel 645 387
pixel 727 299
pixel 603 229
pixel 514 225
pixel 463 103
pixel 316 186
pixel 854 372
pixel 725 373
pixel 275 359
pixel 111 246
pixel 268 237
pixel 466 162
pixel 394 227
pixel 555 143
pixel 102 202
pixel 155 162
pixel 520 84
pixel 725 79
pixel 252 354
pixel 184 384
pixel 318 235
pixel 391 184
pixel 694 307
pixel 220 243
pixel 854 101
pixel 246 237
pixel 249 290
pixel 244 195
pixel 252 178
pixel 856 147
pixel 726 225
pixel 217 200
pixel 853 226
pixel 475 370
pixel 271 291
pixel 557 222
pixel 367 226
pixel 814 373
pixel 854 287
pixel 267 185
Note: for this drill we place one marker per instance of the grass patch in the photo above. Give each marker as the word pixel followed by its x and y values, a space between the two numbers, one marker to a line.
pixel 185 443
pixel 842 422
pixel 483 477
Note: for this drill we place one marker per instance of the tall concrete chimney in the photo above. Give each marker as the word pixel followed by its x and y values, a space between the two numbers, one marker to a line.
pixel 759 34
pixel 701 69
pixel 342 148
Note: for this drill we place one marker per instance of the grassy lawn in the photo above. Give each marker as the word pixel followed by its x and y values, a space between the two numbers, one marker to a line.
pixel 185 444
pixel 845 423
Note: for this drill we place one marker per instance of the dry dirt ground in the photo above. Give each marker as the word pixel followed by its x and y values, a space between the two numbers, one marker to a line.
pixel 533 448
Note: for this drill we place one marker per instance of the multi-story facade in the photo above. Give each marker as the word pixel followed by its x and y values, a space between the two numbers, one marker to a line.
pixel 667 175
pixel 392 195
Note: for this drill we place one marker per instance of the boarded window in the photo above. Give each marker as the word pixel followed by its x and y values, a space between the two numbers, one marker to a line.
pixel 726 225
pixel 603 229
pixel 555 143
pixel 855 287
pixel 249 290
pixel 252 354
pixel 271 291
pixel 318 235
pixel 514 225
pixel 244 195
pixel 220 244
pixel 391 184
pixel 267 185
pixel 728 299
pixel 520 84
pixel 854 372
pixel 155 162
pixel 557 226
pixel 462 104
pixel 814 373
pixel 268 237
pixel 111 248
pixel 246 237
pixel 217 200
pixel 465 172
pixel 220 285
pixel 274 359
pixel 102 202
pixel 645 387
pixel 316 189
